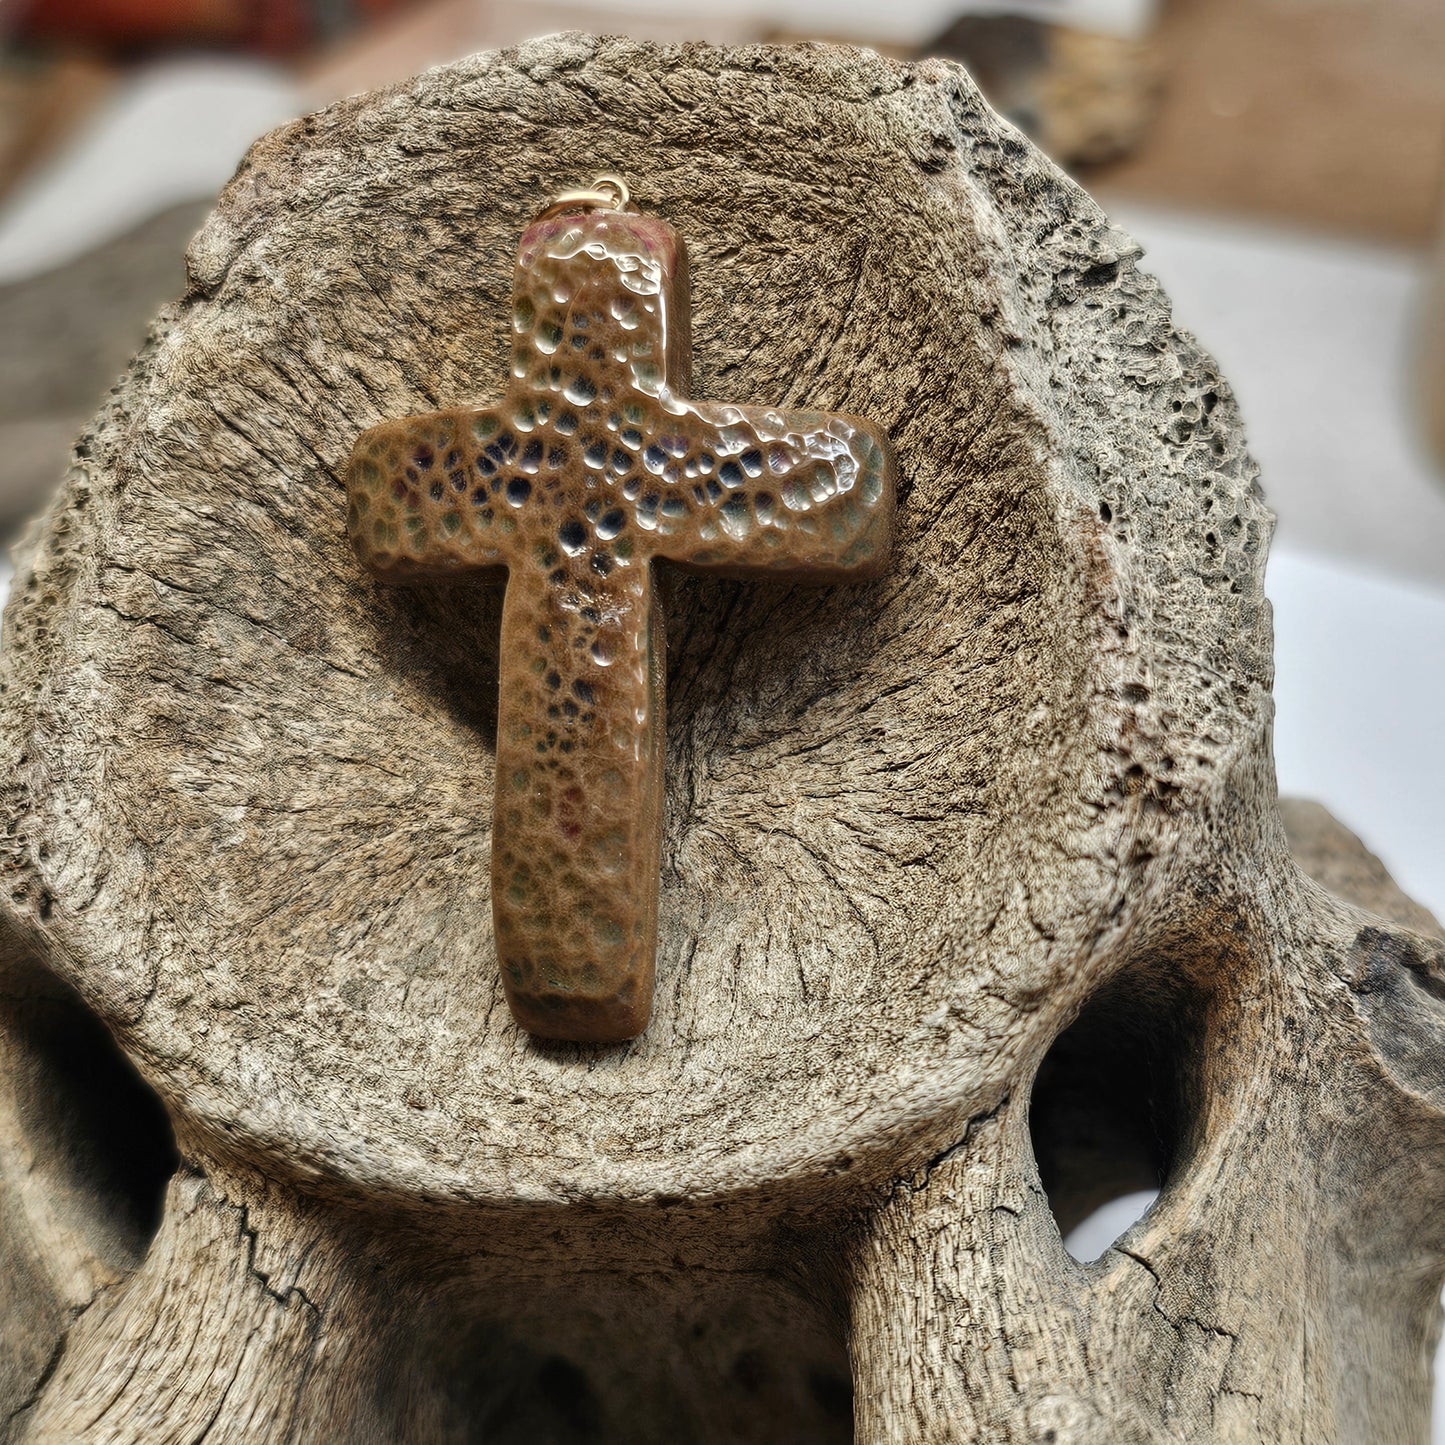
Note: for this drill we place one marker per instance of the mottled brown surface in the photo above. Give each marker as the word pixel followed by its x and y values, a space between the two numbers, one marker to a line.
pixel 966 870
pixel 595 466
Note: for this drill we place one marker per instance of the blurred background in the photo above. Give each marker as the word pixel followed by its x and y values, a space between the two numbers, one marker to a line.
pixel 1280 160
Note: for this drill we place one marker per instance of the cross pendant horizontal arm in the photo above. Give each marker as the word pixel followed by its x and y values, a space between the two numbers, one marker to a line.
pixel 594 466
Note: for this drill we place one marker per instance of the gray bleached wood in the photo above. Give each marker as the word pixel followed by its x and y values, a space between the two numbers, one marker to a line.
pixel 996 834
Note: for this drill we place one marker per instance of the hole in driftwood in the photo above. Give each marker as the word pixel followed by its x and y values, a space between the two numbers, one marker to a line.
pixel 1110 1114
pixel 99 1142
pixel 1097 1234
pixel 597 1358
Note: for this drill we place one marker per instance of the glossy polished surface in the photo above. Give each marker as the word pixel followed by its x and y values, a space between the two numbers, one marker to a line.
pixel 592 467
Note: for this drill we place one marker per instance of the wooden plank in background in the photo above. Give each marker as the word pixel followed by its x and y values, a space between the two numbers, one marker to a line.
pixel 1327 114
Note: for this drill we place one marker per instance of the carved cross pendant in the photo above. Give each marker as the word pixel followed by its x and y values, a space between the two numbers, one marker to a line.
pixel 595 465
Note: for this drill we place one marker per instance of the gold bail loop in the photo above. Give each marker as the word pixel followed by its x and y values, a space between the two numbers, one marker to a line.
pixel 607 193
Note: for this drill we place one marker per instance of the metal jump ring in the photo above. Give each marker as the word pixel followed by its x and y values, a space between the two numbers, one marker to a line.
pixel 606 193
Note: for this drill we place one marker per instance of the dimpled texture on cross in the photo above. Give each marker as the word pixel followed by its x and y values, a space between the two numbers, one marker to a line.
pixel 593 466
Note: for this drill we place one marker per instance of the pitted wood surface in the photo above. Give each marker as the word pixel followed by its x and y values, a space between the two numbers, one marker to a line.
pixel 974 879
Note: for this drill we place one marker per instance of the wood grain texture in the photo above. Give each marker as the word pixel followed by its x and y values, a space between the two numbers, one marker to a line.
pixel 992 833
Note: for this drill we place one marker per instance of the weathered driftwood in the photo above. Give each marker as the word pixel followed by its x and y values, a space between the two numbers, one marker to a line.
pixel 917 829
